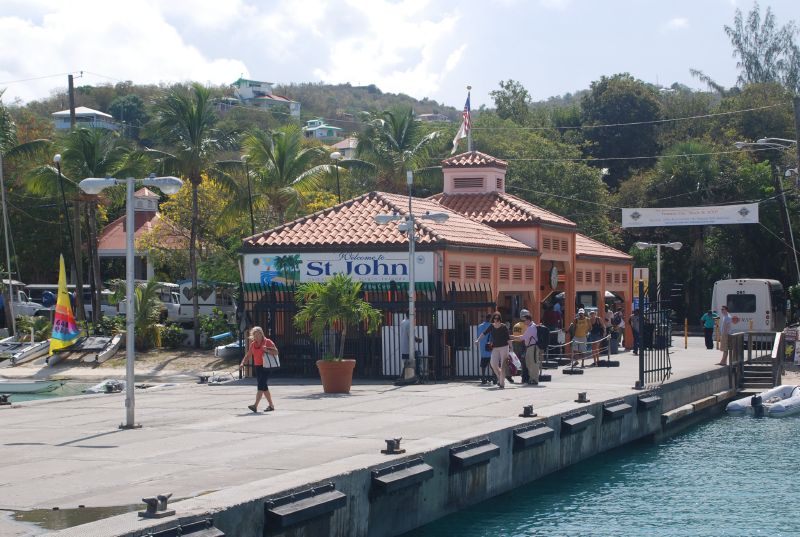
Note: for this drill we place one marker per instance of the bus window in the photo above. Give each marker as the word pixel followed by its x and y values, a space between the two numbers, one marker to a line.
pixel 741 303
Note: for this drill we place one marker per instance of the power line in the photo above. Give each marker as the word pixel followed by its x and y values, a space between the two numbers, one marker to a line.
pixel 6 83
pixel 651 122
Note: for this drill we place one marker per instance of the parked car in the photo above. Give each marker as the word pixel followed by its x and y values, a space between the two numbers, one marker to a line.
pixel 210 295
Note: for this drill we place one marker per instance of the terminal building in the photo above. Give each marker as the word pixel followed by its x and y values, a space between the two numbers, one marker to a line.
pixel 495 251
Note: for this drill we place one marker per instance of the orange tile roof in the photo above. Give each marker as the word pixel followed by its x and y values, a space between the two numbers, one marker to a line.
pixel 499 208
pixel 473 159
pixel 113 236
pixel 145 192
pixel 351 224
pixel 584 246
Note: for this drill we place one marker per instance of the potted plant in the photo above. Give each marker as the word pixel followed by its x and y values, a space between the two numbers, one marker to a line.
pixel 334 304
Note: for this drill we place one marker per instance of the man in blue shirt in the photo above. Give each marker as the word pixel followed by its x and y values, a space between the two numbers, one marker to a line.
pixel 708 327
pixel 486 355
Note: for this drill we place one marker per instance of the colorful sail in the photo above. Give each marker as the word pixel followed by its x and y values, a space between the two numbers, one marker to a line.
pixel 65 330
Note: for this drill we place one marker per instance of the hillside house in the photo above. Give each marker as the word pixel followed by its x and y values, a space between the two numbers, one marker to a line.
pixel 319 130
pixel 84 117
pixel 260 94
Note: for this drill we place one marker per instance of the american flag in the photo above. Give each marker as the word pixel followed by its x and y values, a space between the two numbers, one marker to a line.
pixel 465 126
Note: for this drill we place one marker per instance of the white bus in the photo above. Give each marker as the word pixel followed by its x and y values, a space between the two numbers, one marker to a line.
pixel 756 305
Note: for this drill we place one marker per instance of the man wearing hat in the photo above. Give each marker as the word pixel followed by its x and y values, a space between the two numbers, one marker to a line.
pixel 578 331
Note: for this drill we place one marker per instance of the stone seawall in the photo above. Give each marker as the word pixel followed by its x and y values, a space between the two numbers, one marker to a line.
pixel 371 499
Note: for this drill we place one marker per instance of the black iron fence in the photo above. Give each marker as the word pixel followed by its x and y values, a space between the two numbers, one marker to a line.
pixel 446 317
pixel 655 337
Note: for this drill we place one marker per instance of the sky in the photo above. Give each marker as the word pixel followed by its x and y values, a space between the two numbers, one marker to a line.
pixel 423 48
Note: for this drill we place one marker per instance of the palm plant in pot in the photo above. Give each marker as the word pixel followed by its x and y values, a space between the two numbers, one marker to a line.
pixel 334 304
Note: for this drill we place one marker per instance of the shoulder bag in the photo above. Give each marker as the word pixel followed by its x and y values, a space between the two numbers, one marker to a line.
pixel 271 361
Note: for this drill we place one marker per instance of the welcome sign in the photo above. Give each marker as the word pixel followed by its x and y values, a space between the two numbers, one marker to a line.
pixel 316 267
pixel 691 216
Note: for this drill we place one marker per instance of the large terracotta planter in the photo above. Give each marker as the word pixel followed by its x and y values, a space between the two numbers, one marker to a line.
pixel 337 377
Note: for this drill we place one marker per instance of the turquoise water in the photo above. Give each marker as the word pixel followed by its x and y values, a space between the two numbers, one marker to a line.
pixel 67 389
pixel 733 476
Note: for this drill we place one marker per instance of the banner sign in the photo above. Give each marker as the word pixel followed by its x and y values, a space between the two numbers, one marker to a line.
pixel 318 267
pixel 691 216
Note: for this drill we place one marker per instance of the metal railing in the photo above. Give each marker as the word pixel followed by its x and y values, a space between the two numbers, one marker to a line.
pixel 756 348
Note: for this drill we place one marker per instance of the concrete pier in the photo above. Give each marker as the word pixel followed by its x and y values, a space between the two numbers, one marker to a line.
pixel 222 461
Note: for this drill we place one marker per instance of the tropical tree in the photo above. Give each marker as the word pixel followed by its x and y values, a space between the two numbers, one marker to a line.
pixel 283 174
pixel 146 310
pixel 612 102
pixel 89 153
pixel 391 144
pixel 186 120
pixel 765 52
pixel 335 303
pixel 10 148
pixel 512 101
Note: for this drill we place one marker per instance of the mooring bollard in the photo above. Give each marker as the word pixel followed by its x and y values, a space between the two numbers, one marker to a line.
pixel 393 447
pixel 527 412
pixel 582 398
pixel 157 507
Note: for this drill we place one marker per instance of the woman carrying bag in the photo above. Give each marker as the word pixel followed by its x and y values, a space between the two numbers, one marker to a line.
pixel 265 357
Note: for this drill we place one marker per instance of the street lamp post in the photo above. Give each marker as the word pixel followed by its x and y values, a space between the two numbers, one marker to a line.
pixel 408 226
pixel 673 245
pixel 168 185
pixel 336 157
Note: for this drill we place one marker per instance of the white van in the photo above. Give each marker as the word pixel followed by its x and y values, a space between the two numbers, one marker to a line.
pixel 757 301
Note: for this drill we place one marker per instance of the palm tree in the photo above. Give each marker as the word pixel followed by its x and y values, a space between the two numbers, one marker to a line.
pixel 391 145
pixel 89 153
pixel 9 147
pixel 335 303
pixel 282 173
pixel 186 120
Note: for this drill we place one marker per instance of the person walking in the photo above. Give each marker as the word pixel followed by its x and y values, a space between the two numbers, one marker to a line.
pixel 500 336
pixel 597 331
pixel 725 328
pixel 518 346
pixel 529 339
pixel 634 321
pixel 578 331
pixel 260 345
pixel 484 349
pixel 708 319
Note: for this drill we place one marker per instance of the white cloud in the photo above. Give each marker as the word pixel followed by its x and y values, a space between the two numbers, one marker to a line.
pixel 400 48
pixel 135 43
pixel 677 23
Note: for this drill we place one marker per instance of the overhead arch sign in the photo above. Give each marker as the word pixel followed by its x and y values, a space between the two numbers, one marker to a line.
pixel 691 216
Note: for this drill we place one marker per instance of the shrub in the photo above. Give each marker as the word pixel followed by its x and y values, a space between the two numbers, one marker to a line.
pixel 109 326
pixel 214 324
pixel 41 327
pixel 172 336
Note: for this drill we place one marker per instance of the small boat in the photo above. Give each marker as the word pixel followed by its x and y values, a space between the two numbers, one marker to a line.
pixel 110 349
pixel 230 351
pixel 13 352
pixel 28 386
pixel 778 402
pixel 107 386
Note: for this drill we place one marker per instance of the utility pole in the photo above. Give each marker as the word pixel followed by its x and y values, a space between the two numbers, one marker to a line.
pixel 71 87
pixel 796 102
pixel 787 230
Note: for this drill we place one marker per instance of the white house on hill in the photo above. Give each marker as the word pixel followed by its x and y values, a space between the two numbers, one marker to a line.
pixel 319 130
pixel 84 117
pixel 260 94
